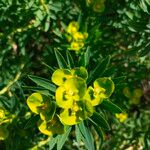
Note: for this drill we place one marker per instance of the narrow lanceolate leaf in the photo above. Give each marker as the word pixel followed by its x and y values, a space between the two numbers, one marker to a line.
pixel 144 51
pixel 47 23
pixel 60 60
pixel 147 139
pixel 86 137
pixel 49 67
pixel 52 142
pixel 99 121
pixel 70 60
pixel 78 134
pixel 99 70
pixel 33 88
pixel 85 58
pixel 38 90
pixel 62 139
pixel 43 83
pixel 108 105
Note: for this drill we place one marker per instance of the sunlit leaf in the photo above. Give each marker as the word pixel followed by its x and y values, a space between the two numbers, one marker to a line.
pixel 99 69
pixel 60 59
pixel 108 105
pixel 43 83
pixel 62 139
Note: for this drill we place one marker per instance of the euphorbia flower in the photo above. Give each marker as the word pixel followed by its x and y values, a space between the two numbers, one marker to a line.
pixel 34 101
pixel 122 117
pixel 103 88
pixel 76 45
pixel 73 27
pixel 76 38
pixel 72 90
pixel 80 72
pixel 52 127
pixel 60 76
pixel 80 37
pixel 80 111
pixel 42 105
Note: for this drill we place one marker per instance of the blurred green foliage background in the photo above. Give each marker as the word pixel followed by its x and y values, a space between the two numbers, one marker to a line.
pixel 31 30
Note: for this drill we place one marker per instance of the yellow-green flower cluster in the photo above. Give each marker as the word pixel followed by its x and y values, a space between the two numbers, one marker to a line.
pixel 5 120
pixel 70 95
pixel 76 38
pixel 49 123
pixel 134 96
pixel 122 117
pixel 74 101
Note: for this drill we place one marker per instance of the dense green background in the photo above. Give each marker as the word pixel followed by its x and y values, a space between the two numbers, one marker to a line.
pixel 31 31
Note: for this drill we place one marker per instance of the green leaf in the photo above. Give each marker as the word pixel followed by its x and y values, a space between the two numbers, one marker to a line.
pixel 4 102
pixel 143 6
pixel 62 139
pixel 145 50
pixel 43 83
pixel 40 90
pixel 32 122
pixel 99 70
pixel 86 136
pixel 147 139
pixel 32 88
pixel 49 67
pixel 47 24
pixel 56 6
pixel 60 60
pixel 99 121
pixel 108 105
pixel 57 32
pixel 129 14
pixel 52 142
pixel 70 60
pixel 85 58
pixel 78 134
